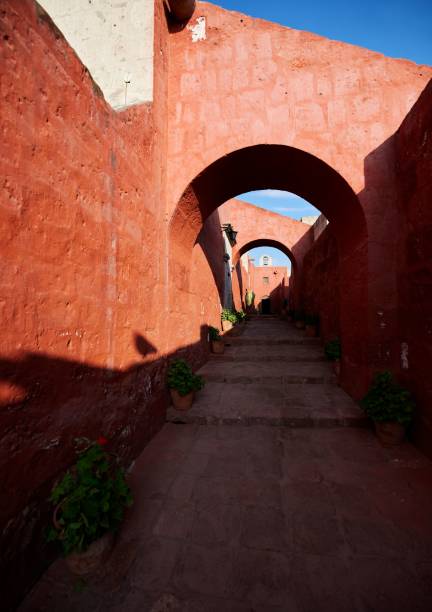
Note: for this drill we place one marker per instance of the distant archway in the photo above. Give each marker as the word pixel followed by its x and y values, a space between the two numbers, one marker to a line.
pixel 263 242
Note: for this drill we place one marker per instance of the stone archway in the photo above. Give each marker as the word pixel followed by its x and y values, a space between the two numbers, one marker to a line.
pixel 288 169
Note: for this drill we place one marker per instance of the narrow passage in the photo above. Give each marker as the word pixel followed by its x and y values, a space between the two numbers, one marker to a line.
pixel 270 495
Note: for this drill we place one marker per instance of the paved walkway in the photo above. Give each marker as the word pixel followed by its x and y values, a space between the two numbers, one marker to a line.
pixel 241 518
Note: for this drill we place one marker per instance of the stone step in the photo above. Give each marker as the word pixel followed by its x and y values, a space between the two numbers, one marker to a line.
pixel 267 372
pixel 258 358
pixel 188 418
pixel 282 353
pixel 286 405
pixel 266 341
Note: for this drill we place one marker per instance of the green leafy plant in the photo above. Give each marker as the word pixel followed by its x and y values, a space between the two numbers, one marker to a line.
pixel 388 401
pixel 240 316
pixel 229 315
pixel 332 349
pixel 181 377
pixel 214 334
pixel 89 500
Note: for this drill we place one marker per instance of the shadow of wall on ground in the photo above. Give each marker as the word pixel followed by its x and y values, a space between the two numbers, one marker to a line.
pixel 55 401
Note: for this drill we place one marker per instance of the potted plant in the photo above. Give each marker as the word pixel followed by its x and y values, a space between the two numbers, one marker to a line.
pixel 299 319
pixel 228 319
pixel 89 505
pixel 240 316
pixel 333 352
pixel 216 342
pixel 390 406
pixel 311 325
pixel 183 383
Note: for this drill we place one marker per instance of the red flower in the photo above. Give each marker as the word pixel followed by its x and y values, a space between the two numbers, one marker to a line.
pixel 102 440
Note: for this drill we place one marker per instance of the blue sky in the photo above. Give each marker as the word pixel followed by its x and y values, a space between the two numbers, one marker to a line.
pixel 397 28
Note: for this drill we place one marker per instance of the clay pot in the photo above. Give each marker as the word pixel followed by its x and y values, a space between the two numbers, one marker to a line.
pixel 217 346
pixel 227 325
pixel 390 433
pixel 300 324
pixel 91 559
pixel 181 402
pixel 311 331
pixel 336 367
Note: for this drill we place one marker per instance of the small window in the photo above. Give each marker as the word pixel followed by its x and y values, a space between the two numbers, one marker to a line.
pixel 265 260
pixel 265 280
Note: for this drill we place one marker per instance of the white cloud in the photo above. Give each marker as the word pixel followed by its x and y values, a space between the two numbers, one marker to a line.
pixel 276 193
pixel 290 208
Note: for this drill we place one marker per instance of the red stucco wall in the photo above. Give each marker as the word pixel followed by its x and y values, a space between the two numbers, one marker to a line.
pixel 107 270
pixel 413 143
pixel 320 284
pixel 81 272
pixel 250 83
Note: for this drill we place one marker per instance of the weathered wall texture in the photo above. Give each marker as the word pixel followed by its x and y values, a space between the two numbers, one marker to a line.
pixel 413 143
pixel 82 206
pixel 247 82
pixel 115 40
pixel 320 285
pixel 108 271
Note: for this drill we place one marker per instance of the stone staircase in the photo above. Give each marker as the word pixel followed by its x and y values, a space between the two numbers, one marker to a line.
pixel 272 374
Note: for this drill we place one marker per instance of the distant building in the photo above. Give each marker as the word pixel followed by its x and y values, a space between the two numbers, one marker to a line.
pixel 265 260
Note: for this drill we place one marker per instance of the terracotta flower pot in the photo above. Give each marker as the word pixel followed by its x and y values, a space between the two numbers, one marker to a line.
pixel 181 402
pixel 227 325
pixel 300 324
pixel 91 559
pixel 390 433
pixel 217 346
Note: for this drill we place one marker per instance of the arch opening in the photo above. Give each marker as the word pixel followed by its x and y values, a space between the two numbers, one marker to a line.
pixel 268 279
pixel 287 169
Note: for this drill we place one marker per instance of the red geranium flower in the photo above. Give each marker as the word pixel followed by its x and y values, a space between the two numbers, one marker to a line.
pixel 102 440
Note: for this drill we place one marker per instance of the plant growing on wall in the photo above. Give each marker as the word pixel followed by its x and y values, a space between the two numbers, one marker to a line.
pixel 182 379
pixel 89 500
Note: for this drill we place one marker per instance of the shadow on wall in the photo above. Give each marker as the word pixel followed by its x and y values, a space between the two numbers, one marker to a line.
pixel 212 244
pixel 47 402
